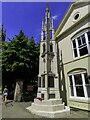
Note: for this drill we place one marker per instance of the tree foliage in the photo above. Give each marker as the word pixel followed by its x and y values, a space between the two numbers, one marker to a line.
pixel 20 57
pixel 2 38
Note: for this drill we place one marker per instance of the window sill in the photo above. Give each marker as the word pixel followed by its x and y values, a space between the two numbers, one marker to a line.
pixel 81 57
pixel 80 99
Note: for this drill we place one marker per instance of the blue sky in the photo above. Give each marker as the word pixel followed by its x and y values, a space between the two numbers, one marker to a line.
pixel 28 15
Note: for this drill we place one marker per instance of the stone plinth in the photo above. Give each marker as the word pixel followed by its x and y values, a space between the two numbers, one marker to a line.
pixel 52 108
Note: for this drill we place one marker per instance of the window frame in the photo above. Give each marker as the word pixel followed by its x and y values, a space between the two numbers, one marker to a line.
pixel 76 42
pixel 75 96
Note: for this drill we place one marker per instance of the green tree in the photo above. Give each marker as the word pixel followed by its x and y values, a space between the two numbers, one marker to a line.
pixel 34 58
pixel 20 61
pixel 2 39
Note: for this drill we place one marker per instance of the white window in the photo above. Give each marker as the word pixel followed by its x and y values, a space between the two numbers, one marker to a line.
pixel 79 85
pixel 81 44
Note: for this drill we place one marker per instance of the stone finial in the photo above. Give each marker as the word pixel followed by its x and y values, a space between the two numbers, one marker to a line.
pixel 43 19
pixel 47 8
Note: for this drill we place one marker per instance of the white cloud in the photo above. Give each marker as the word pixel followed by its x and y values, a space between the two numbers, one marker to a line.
pixel 55 17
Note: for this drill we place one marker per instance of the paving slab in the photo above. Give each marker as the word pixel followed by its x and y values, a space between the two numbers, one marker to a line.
pixel 0 107
pixel 18 110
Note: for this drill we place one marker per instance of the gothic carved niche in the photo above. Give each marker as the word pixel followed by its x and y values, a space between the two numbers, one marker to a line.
pixel 44 48
pixel 51 47
pixel 44 60
pixel 50 81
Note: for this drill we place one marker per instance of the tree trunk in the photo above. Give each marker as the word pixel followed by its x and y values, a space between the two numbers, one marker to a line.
pixel 18 91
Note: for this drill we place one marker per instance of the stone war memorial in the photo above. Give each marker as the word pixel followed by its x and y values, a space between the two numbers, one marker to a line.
pixel 48 102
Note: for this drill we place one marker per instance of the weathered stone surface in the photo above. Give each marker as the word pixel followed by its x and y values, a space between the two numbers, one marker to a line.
pixel 18 91
pixel 49 108
pixel 48 78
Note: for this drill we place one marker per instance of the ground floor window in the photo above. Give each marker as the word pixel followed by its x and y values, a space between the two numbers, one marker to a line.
pixel 79 85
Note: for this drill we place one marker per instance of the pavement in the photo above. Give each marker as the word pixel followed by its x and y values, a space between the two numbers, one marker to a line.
pixel 0 107
pixel 18 110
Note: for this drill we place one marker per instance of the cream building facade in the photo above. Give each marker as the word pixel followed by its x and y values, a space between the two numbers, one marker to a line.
pixel 73 40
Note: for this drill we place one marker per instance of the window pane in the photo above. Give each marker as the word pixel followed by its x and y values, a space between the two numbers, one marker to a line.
pixel 79 91
pixel 74 44
pixel 70 79
pixel 88 90
pixel 71 90
pixel 83 39
pixel 86 78
pixel 78 79
pixel 79 41
pixel 88 33
pixel 83 51
pixel 75 53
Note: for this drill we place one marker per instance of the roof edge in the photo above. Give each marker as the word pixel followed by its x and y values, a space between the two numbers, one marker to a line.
pixel 68 12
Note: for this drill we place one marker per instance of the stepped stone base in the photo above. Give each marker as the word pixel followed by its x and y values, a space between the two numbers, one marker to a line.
pixel 52 108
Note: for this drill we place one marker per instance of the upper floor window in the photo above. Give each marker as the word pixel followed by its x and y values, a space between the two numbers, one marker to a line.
pixel 81 44
pixel 88 33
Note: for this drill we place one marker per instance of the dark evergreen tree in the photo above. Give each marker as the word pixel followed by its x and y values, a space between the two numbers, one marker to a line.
pixel 3 33
pixel 20 61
